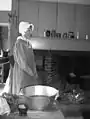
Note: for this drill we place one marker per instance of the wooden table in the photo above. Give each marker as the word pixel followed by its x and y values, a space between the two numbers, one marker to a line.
pixel 70 111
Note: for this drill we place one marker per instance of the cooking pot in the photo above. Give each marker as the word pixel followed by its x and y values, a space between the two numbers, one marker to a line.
pixel 40 96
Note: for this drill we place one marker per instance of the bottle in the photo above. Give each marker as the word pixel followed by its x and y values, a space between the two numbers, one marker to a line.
pixel 44 33
pixel 1 53
pixel 48 33
pixel 86 37
pixel 77 35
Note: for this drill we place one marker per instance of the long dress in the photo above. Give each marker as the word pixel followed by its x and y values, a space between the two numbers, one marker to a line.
pixel 24 71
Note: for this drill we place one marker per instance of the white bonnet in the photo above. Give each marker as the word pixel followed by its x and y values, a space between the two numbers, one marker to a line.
pixel 23 26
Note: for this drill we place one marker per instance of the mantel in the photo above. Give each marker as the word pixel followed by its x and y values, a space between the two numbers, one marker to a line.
pixel 39 43
pixel 85 2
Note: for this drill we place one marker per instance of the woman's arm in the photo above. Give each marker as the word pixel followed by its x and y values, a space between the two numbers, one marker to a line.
pixel 11 59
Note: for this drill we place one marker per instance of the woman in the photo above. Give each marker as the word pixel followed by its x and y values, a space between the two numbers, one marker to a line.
pixel 24 71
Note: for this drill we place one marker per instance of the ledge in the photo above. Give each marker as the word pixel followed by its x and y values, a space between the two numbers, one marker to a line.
pixel 39 43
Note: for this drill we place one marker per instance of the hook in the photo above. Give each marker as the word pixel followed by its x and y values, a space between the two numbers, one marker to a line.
pixel 49 51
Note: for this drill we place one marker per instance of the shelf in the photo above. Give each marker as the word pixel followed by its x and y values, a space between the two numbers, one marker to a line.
pixel 39 43
pixel 86 2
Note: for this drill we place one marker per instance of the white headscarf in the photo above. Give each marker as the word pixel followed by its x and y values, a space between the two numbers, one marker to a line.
pixel 23 26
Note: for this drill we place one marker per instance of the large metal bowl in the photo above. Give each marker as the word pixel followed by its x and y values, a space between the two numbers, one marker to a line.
pixel 41 90
pixel 38 102
pixel 39 96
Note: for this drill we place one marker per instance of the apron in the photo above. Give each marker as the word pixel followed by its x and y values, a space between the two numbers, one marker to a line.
pixel 24 62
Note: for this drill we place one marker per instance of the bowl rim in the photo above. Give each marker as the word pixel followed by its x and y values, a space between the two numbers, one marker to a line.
pixel 54 94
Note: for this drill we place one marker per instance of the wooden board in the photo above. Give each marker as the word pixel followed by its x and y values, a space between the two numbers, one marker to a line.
pixel 45 115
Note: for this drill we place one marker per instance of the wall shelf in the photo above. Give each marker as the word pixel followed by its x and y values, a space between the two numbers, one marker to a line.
pixel 39 43
pixel 85 2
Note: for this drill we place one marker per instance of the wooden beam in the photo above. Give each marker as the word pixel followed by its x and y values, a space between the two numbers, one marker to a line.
pixel 14 19
pixel 86 2
pixel 60 45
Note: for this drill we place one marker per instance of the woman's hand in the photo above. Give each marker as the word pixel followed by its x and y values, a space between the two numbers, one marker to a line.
pixel 30 72
pixel 72 75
